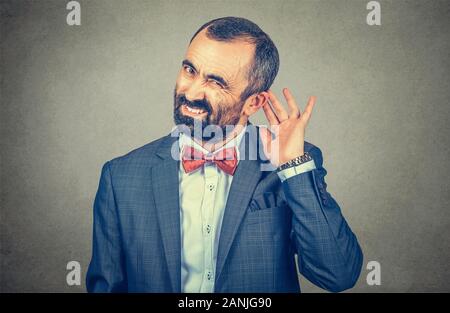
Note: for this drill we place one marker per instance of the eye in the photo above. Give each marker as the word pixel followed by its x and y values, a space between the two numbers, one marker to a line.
pixel 217 83
pixel 189 70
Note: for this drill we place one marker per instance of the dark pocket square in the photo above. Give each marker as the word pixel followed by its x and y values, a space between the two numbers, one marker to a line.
pixel 263 201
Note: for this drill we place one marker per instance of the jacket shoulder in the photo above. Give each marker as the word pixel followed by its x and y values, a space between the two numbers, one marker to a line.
pixel 315 152
pixel 144 155
pixel 309 147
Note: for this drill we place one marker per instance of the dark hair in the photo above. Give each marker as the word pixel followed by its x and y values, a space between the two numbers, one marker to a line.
pixel 264 69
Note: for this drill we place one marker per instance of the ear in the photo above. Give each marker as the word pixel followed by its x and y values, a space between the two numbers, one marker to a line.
pixel 255 102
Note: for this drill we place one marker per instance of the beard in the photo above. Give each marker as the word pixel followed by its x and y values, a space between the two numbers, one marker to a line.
pixel 208 128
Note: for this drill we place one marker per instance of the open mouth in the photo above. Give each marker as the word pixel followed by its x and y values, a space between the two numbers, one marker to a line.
pixel 194 112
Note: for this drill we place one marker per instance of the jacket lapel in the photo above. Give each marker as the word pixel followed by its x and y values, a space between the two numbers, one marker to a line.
pixel 165 184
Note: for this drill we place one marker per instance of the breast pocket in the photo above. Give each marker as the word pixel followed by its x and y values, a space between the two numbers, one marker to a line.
pixel 265 208
pixel 265 216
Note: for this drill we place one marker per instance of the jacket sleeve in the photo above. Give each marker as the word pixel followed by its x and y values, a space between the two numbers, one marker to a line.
pixel 106 271
pixel 328 252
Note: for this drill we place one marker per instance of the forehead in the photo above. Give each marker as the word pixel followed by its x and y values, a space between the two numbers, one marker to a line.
pixel 228 59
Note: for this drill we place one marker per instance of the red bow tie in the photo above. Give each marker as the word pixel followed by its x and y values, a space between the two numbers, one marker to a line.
pixel 225 159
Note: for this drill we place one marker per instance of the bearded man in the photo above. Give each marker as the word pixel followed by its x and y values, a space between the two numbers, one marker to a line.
pixel 198 210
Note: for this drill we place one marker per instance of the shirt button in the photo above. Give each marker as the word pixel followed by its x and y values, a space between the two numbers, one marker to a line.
pixel 211 187
pixel 209 275
pixel 208 229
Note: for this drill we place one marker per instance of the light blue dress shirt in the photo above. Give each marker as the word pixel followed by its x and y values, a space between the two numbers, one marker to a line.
pixel 203 195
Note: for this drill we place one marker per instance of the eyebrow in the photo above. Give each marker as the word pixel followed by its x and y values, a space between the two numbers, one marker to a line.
pixel 218 78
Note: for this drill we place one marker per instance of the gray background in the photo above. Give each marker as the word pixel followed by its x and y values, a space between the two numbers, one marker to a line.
pixel 75 97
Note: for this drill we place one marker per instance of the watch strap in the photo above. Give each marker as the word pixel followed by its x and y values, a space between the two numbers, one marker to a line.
pixel 306 157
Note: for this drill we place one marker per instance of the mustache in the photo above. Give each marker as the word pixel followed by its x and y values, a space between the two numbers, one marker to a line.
pixel 197 104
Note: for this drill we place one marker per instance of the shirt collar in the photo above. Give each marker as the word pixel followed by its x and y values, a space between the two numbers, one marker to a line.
pixel 185 140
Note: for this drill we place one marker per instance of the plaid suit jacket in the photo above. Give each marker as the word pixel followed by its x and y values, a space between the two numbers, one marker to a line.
pixel 136 230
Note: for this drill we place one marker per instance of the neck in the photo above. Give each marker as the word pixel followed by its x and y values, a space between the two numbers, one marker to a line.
pixel 212 146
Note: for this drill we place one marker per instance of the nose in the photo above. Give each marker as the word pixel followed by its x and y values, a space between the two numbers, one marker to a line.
pixel 195 91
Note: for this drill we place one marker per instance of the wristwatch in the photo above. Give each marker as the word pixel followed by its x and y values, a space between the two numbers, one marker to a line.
pixel 297 161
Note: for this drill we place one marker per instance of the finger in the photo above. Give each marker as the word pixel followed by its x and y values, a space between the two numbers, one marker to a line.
pixel 270 115
pixel 309 107
pixel 294 111
pixel 278 107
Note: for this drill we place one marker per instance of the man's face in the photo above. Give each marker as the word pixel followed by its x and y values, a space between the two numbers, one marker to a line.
pixel 212 77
